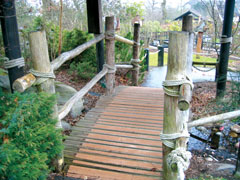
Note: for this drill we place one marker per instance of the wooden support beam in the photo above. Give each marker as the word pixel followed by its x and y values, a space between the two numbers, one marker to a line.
pixel 94 14
pixel 41 63
pixel 213 119
pixel 124 66
pixel 136 49
pixel 174 119
pixel 10 37
pixel 110 54
pixel 199 44
pixel 185 93
pixel 79 95
pixel 23 83
pixel 66 56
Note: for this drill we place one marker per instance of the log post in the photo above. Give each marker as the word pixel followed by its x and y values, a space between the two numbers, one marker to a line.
pixel 175 120
pixel 11 38
pixel 135 60
pixel 147 58
pixel 185 95
pixel 41 64
pixel 160 55
pixel 199 44
pixel 110 54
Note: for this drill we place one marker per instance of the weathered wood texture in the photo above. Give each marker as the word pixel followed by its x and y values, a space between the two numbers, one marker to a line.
pixel 110 54
pixel 21 84
pixel 216 118
pixel 185 96
pixel 79 95
pixel 199 43
pixel 173 117
pixel 130 42
pixel 124 66
pixel 64 57
pixel 119 138
pixel 187 23
pixel 41 63
pixel 136 49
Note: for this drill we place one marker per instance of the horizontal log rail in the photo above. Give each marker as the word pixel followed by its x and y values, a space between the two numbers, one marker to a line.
pixel 79 95
pixel 216 118
pixel 124 66
pixel 130 42
pixel 56 63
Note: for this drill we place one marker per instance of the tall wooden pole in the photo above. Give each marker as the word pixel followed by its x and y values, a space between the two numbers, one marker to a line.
pixel 95 25
pixel 136 45
pixel 10 37
pixel 199 44
pixel 174 118
pixel 41 64
pixel 225 47
pixel 110 54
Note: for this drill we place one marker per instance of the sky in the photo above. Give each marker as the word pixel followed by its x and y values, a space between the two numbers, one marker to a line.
pixel 171 3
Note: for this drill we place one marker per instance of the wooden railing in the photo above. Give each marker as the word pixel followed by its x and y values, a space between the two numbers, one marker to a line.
pixel 43 78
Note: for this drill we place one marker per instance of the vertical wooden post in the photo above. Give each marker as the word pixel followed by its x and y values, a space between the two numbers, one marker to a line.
pixel 94 13
pixel 136 45
pixel 41 64
pixel 110 54
pixel 199 44
pixel 160 55
pixel 174 118
pixel 147 58
pixel 185 90
pixel 10 37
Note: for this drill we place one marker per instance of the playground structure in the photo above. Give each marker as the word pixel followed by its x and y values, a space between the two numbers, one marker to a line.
pixel 118 125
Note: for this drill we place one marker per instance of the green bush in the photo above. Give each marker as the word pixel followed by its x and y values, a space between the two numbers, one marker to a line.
pixel 29 140
pixel 84 70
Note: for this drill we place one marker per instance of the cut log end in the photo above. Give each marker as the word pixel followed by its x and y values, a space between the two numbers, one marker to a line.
pixel 23 83
pixel 183 105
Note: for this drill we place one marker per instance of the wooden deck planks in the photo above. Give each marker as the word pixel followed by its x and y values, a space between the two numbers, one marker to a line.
pixel 119 138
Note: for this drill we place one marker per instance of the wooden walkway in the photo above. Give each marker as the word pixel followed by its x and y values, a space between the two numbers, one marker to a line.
pixel 119 138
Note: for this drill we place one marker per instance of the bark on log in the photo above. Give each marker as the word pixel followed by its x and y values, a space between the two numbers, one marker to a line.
pixel 79 95
pixel 21 84
pixel 110 54
pixel 216 118
pixel 41 63
pixel 173 117
pixel 135 71
pixel 56 63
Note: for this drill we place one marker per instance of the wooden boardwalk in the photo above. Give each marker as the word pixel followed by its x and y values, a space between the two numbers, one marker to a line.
pixel 119 138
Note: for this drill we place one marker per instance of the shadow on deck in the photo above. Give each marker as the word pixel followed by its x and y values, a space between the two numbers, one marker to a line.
pixel 119 138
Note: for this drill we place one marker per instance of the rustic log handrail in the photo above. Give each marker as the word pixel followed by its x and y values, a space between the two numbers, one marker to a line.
pixel 69 104
pixel 216 118
pixel 56 63
pixel 129 42
pixel 124 66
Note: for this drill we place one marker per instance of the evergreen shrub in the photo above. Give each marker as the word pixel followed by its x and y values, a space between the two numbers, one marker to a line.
pixel 29 140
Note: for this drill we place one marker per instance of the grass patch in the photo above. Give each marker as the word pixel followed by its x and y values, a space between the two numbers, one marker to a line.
pixel 153 59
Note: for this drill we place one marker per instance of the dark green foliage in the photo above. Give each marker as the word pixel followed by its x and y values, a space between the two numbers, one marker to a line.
pixel 85 65
pixel 231 101
pixel 29 140
pixel 84 70
pixel 76 37
pixel 123 52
